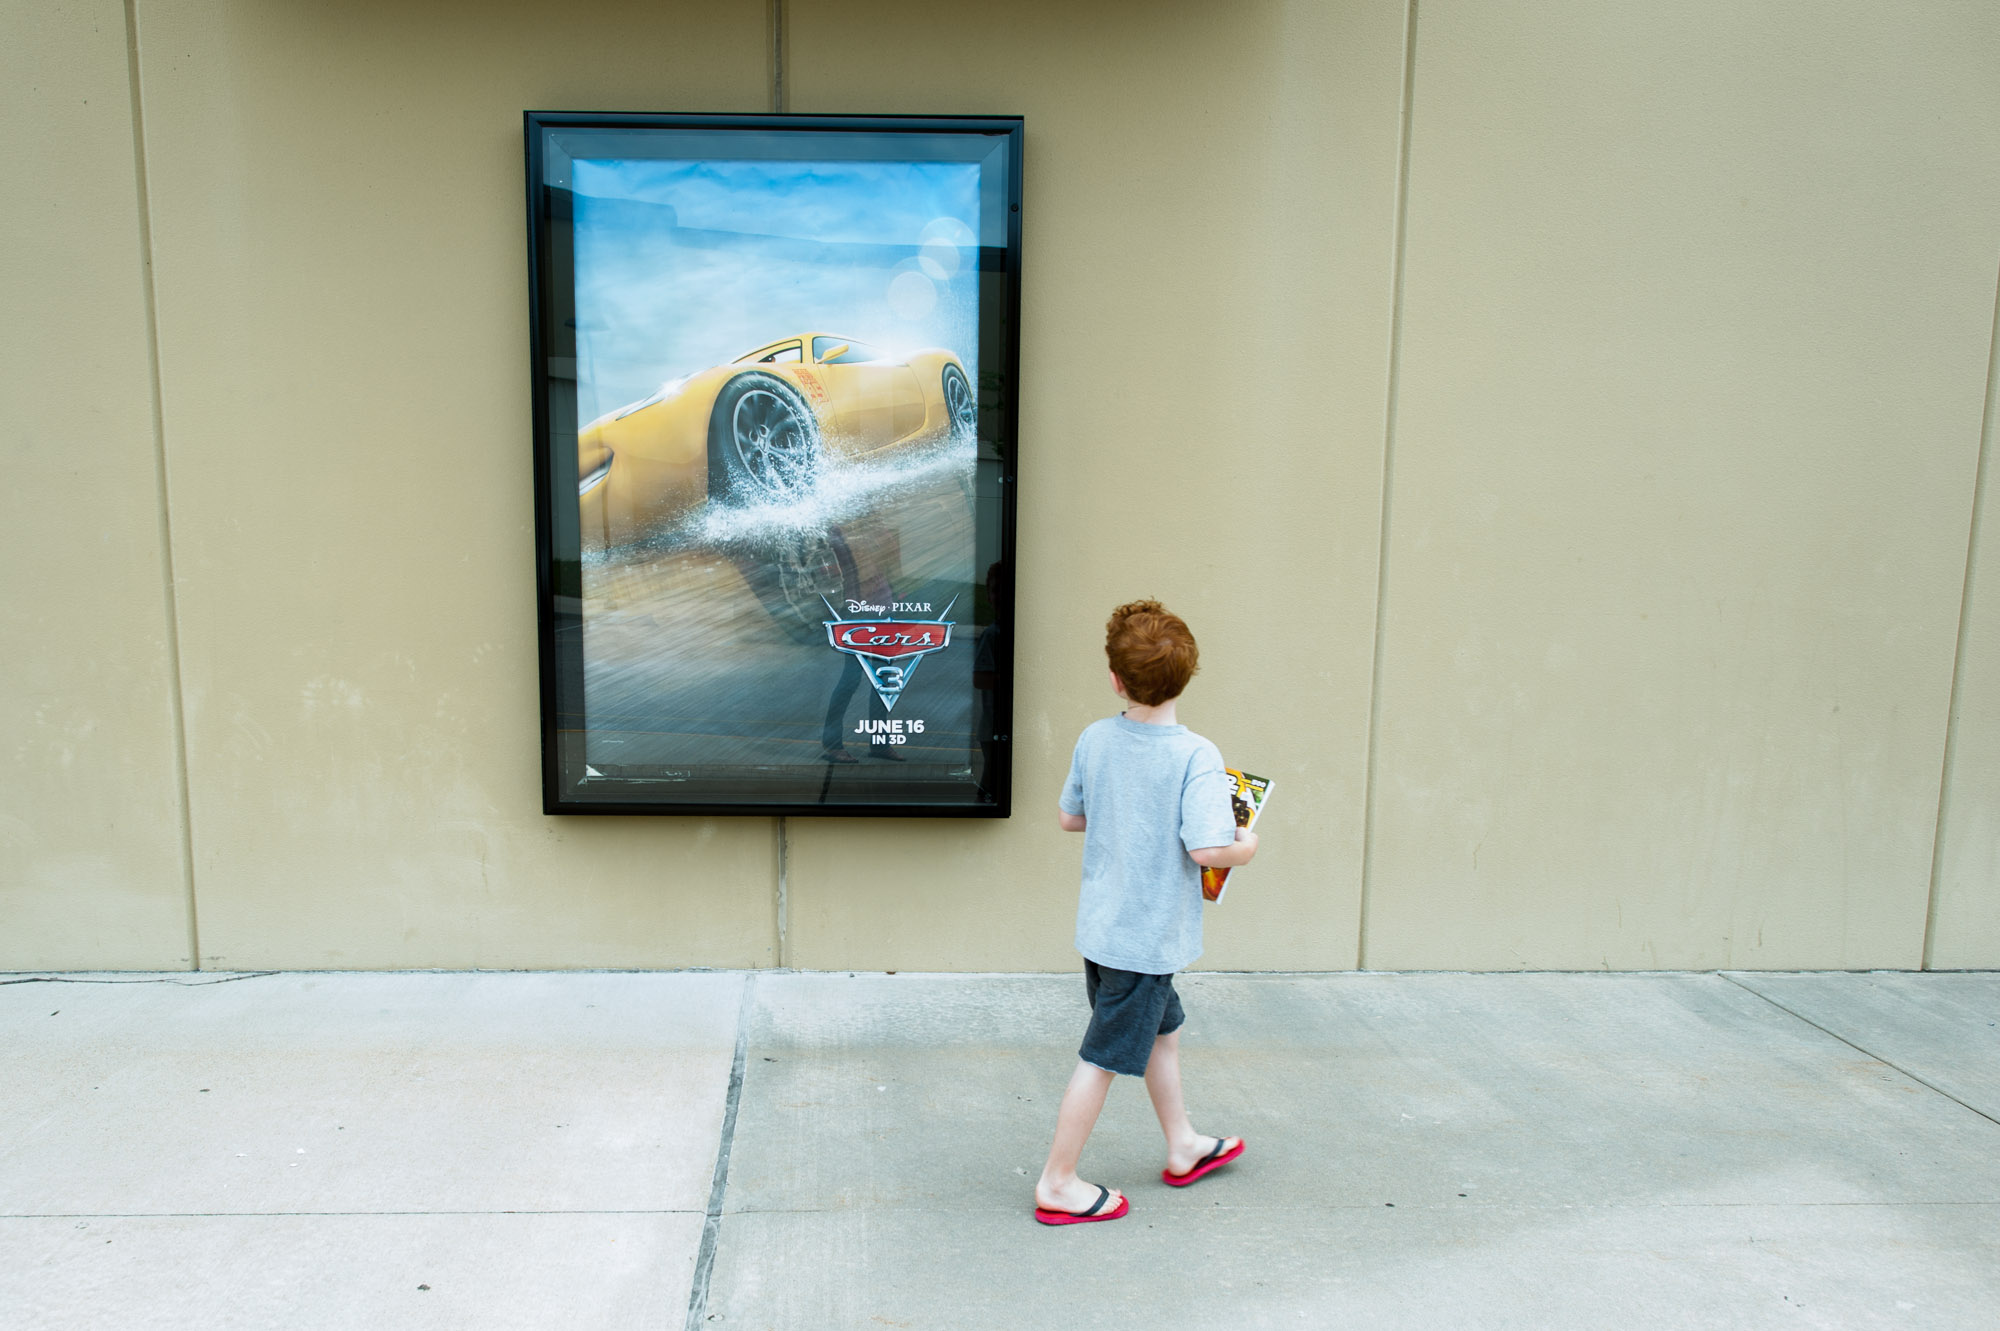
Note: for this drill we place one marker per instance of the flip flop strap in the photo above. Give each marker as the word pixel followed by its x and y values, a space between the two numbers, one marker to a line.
pixel 1220 1142
pixel 1103 1196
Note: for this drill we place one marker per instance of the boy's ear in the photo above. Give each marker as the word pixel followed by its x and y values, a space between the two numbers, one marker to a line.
pixel 1118 685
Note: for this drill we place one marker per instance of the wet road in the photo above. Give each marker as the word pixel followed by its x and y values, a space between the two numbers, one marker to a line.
pixel 708 650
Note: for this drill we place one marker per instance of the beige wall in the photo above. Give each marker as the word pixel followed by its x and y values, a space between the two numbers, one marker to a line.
pixel 1696 313
pixel 91 865
pixel 336 208
pixel 1668 371
pixel 1210 190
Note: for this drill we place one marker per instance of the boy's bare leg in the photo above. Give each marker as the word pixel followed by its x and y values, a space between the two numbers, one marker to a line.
pixel 1059 1189
pixel 1163 1082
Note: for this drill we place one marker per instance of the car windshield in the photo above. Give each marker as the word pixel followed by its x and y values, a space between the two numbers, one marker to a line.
pixel 854 353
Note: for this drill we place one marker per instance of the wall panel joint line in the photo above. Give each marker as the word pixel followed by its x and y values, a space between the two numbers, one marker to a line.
pixel 1964 620
pixel 176 699
pixel 781 905
pixel 778 90
pixel 1391 393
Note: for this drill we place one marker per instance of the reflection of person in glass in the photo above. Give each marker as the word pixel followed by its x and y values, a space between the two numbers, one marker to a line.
pixel 872 587
pixel 987 653
pixel 832 731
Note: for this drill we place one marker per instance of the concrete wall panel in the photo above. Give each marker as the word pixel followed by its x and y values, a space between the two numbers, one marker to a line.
pixel 91 867
pixel 1209 225
pixel 1695 330
pixel 338 215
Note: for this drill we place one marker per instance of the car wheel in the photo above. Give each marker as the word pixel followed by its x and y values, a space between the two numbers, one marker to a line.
pixel 764 439
pixel 795 575
pixel 960 406
pixel 810 572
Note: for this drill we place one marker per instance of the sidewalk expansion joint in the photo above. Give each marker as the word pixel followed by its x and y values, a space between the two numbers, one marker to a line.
pixel 334 1215
pixel 1241 1208
pixel 1166 1206
pixel 711 1228
pixel 1860 1049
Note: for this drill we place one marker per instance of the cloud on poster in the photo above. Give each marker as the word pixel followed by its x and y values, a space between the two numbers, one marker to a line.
pixel 683 265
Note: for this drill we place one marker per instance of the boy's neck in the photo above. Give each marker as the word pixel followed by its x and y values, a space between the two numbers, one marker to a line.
pixel 1159 714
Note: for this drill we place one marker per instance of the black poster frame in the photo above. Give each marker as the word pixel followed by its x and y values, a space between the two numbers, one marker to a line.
pixel 570 784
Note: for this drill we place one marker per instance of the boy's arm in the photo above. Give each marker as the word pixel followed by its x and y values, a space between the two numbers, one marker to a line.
pixel 1226 857
pixel 1207 813
pixel 1072 792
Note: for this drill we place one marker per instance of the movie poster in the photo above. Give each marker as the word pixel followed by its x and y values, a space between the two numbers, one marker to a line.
pixel 775 400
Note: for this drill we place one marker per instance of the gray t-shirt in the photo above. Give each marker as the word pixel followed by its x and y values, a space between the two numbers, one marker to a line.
pixel 1149 794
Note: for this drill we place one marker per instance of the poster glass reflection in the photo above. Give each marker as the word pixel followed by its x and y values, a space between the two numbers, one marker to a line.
pixel 774 379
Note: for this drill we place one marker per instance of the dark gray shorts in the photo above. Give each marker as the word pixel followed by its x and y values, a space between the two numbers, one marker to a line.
pixel 1127 1010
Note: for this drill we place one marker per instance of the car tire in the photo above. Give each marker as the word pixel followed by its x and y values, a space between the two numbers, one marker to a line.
pixel 793 571
pixel 961 405
pixel 763 441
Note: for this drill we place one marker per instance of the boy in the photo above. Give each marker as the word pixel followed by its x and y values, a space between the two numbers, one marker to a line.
pixel 1152 800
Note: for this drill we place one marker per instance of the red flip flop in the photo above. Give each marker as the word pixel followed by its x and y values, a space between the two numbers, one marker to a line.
pixel 1089 1217
pixel 1215 1159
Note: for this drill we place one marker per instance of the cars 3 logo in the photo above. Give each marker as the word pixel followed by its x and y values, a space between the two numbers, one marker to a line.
pixel 889 650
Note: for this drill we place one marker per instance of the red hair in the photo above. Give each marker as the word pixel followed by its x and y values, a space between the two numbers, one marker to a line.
pixel 1151 651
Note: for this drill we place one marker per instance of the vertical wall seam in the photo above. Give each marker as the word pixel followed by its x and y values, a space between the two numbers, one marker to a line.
pixel 176 699
pixel 781 905
pixel 1392 391
pixel 1964 619
pixel 778 91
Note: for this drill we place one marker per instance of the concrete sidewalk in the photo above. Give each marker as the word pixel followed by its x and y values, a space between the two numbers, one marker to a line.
pixel 818 1151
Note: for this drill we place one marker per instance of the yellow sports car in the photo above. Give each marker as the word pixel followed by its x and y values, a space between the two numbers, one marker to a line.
pixel 758 427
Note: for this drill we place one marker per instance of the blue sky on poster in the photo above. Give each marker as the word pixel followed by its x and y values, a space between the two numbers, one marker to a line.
pixel 681 265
